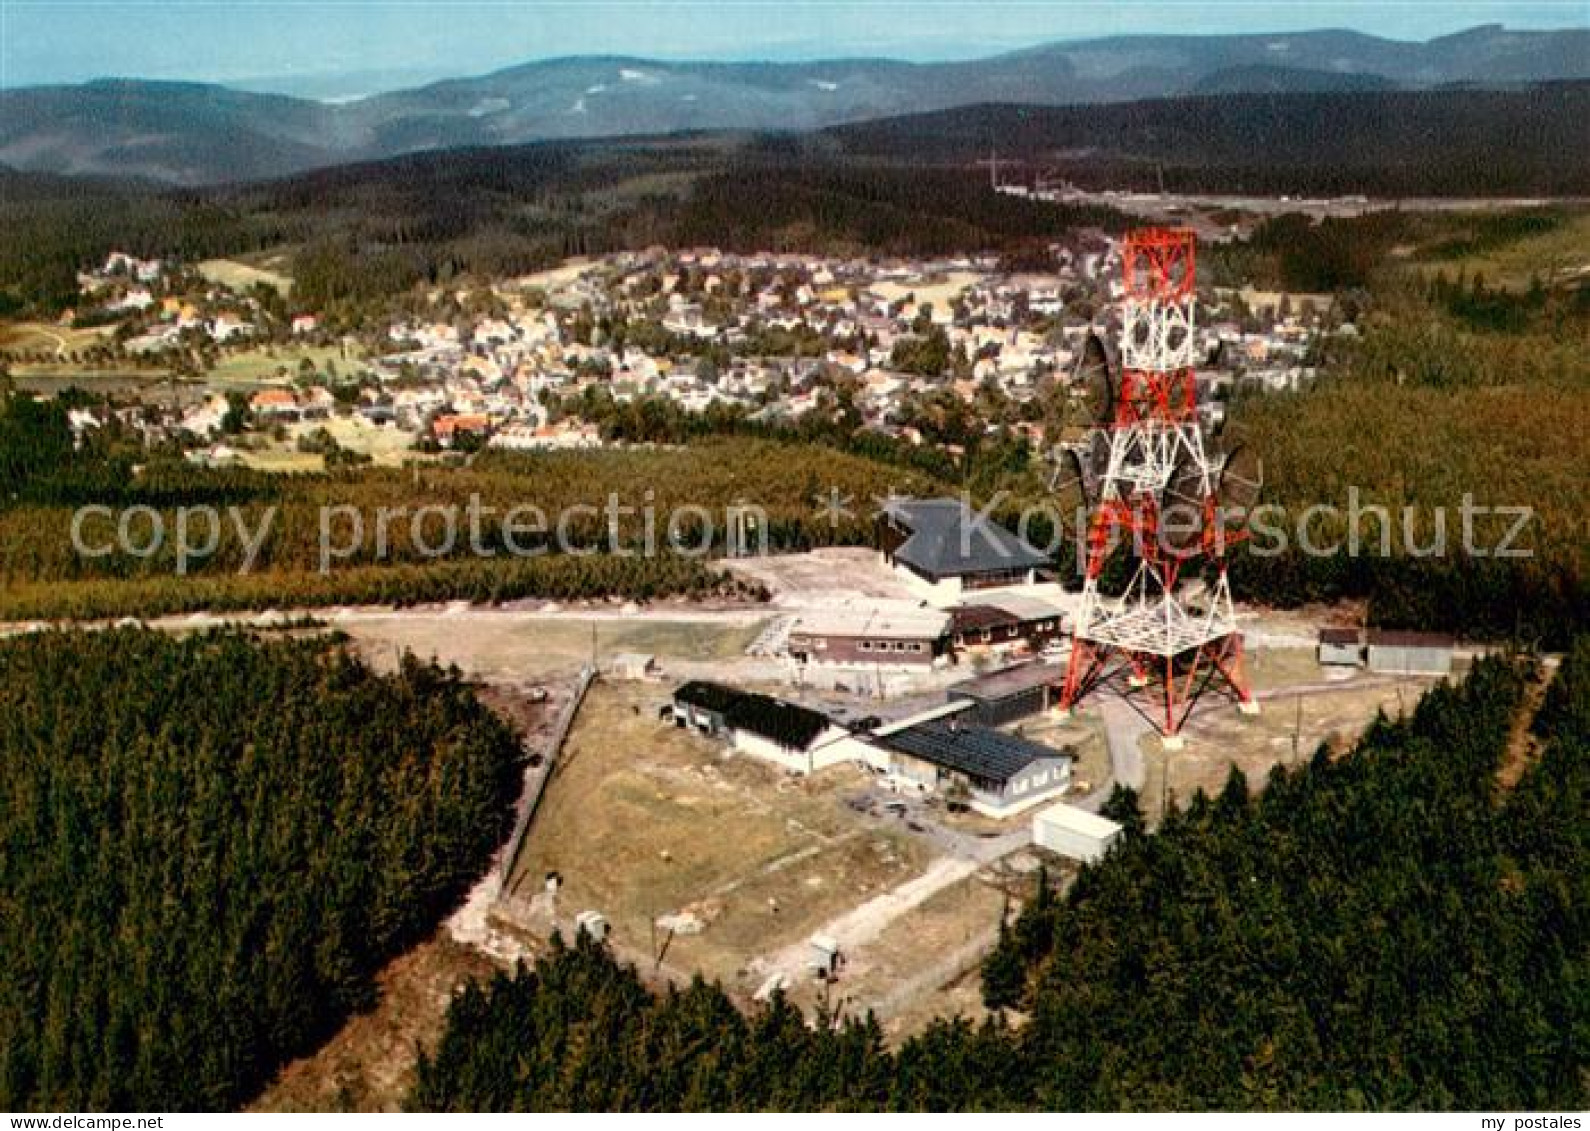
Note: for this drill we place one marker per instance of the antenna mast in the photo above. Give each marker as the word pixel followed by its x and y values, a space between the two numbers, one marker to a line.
pixel 1171 634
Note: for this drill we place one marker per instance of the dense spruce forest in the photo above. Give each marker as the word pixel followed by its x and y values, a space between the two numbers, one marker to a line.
pixel 209 846
pixel 1378 143
pixel 1386 930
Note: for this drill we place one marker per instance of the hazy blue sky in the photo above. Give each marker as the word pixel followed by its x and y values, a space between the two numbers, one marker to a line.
pixel 344 47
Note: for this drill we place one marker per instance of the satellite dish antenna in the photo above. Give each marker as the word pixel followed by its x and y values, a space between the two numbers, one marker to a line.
pixel 1078 477
pixel 1096 377
pixel 1241 480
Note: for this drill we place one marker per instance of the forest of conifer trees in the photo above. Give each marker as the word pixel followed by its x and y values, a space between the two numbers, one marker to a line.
pixel 208 847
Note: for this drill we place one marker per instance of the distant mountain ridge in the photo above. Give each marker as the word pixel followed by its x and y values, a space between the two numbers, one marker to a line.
pixel 193 133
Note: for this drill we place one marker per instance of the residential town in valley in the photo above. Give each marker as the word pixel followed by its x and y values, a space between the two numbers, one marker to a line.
pixel 520 363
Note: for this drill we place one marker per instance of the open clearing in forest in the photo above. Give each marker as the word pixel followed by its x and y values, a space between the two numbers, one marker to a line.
pixel 369 1064
pixel 643 820
pixel 1554 256
pixel 507 646
pixel 241 276
pixel 1218 736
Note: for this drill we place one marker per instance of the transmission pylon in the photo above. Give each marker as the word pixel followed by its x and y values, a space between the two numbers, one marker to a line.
pixel 1156 621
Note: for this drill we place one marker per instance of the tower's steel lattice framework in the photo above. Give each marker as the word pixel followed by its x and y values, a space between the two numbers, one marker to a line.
pixel 1170 635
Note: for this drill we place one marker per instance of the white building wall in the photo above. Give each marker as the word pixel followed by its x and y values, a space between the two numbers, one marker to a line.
pixel 831 747
pixel 1073 832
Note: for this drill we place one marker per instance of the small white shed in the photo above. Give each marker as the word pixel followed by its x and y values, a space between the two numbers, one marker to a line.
pixel 1073 832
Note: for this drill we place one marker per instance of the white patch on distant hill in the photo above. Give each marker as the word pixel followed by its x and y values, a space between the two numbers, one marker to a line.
pixel 1278 46
pixel 687 98
pixel 489 106
pixel 596 88
pixel 629 74
pixel 578 107
pixel 822 84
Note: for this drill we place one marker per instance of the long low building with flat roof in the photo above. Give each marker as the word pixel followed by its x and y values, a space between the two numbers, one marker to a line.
pixel 994 773
pixel 787 734
pixel 891 634
pixel 1410 653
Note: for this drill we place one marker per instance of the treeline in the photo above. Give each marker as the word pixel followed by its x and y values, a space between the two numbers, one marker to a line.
pixel 1381 931
pixel 209 846
pixel 839 209
pixel 1379 143
pixel 552 578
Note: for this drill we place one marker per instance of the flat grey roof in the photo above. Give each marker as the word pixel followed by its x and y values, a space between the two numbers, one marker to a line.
pixel 1395 638
pixel 1009 681
pixel 874 621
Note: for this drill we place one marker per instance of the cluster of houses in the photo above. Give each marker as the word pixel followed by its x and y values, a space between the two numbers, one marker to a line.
pixel 555 339
pixel 774 334
pixel 163 304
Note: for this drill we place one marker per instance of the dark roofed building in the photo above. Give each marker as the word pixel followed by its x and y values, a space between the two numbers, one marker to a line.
pixel 1410 653
pixel 1001 773
pixel 1341 647
pixel 1012 693
pixel 779 731
pixel 946 546
pixel 1014 624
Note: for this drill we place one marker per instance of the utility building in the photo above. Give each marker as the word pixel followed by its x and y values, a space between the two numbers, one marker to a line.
pixel 874 635
pixel 1073 832
pixel 1341 647
pixel 1010 694
pixel 786 734
pixel 1410 653
pixel 995 773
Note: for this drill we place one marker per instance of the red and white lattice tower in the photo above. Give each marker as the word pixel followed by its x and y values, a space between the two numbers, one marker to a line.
pixel 1170 635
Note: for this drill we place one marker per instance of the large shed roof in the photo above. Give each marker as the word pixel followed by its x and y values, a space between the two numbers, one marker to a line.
pixel 1014 680
pixel 981 752
pixel 788 724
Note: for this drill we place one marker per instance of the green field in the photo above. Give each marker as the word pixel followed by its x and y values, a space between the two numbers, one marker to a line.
pixel 1554 256
pixel 269 364
pixel 29 337
pixel 241 276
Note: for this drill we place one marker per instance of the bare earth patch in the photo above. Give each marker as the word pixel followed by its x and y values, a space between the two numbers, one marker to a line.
pixel 369 1064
